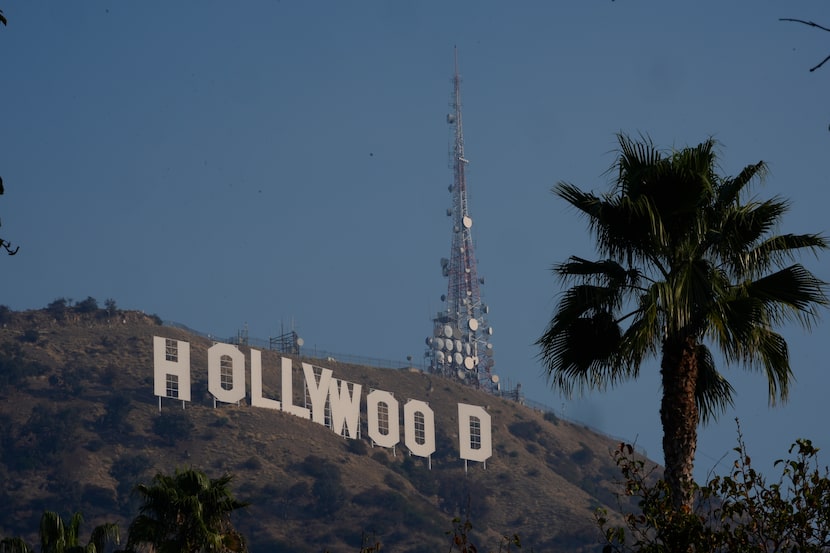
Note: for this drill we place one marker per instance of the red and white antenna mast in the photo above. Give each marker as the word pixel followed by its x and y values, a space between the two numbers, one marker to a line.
pixel 460 345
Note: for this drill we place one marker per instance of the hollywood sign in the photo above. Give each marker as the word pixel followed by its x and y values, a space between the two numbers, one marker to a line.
pixel 226 383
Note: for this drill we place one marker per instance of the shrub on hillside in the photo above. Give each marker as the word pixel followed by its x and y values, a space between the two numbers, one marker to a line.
pixel 89 305
pixel 57 309
pixel 30 336
pixel 526 430
pixel 172 425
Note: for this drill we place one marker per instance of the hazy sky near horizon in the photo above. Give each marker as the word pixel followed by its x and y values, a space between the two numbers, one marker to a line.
pixel 272 163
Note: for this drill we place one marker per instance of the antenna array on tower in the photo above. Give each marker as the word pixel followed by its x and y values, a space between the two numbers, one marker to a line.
pixel 459 346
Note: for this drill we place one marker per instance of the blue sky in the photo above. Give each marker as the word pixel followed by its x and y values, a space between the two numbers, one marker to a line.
pixel 267 162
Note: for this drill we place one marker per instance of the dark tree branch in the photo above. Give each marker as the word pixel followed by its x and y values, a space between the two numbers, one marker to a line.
pixel 809 24
pixel 6 245
pixel 819 65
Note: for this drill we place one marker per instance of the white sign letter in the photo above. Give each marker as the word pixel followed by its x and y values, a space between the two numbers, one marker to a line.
pixel 317 392
pixel 288 393
pixel 345 407
pixel 256 384
pixel 171 368
pixel 382 414
pixel 226 386
pixel 474 433
pixel 419 428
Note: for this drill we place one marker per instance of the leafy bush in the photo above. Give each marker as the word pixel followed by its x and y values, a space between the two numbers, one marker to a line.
pixel 48 432
pixel 738 512
pixel 221 422
pixel 329 494
pixel 15 368
pixel 171 425
pixel 317 467
pixel 550 416
pixel 299 490
pixel 252 463
pixel 526 430
pixel 30 336
pixel 57 309
pixel 5 314
pixel 393 481
pixel 98 497
pixel 358 447
pixel 116 411
pixel 89 305
pixel 583 455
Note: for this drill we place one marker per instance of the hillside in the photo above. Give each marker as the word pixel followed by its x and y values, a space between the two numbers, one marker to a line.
pixel 80 426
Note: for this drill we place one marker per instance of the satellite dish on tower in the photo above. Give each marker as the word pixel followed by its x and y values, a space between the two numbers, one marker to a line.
pixel 467 221
pixel 300 341
pixel 458 358
pixel 468 363
pixel 473 324
pixel 495 379
pixel 448 331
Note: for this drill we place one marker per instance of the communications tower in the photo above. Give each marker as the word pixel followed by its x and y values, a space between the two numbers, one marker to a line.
pixel 459 346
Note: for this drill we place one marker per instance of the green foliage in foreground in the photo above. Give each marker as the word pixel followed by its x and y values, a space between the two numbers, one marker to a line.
pixel 186 513
pixel 742 512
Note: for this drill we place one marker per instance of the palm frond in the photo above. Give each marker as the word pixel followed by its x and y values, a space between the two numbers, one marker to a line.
pixel 776 251
pixel 730 189
pixel 713 393
pixel 15 545
pixel 104 534
pixel 790 293
pixel 772 356
pixel 581 355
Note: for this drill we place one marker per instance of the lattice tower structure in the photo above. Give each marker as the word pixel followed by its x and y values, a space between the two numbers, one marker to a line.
pixel 460 347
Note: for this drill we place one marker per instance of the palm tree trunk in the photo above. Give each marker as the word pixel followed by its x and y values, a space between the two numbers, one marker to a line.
pixel 679 416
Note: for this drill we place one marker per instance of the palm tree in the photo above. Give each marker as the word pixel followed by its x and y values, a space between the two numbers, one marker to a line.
pixel 688 261
pixel 15 545
pixel 60 536
pixel 186 513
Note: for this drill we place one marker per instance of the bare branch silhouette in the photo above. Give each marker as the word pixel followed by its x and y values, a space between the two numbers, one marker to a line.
pixel 5 244
pixel 809 24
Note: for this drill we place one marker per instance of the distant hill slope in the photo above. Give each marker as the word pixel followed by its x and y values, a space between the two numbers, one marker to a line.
pixel 80 426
